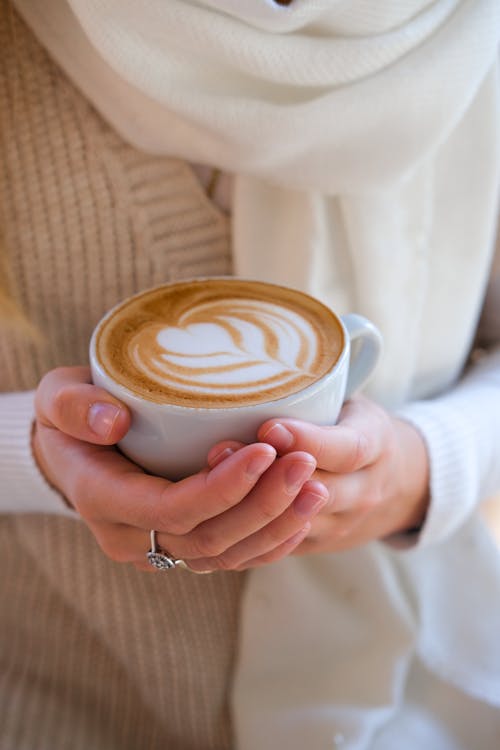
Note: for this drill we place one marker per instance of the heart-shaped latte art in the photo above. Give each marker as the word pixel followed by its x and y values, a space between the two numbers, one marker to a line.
pixel 237 346
pixel 219 342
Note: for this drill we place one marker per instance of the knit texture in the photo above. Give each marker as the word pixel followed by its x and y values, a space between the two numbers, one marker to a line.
pixel 86 219
pixel 93 654
pixel 23 488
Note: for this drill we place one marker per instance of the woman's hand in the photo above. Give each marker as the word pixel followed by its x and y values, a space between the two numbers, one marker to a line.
pixel 248 509
pixel 374 466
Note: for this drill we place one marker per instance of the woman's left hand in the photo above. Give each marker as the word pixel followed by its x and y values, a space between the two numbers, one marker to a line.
pixel 374 466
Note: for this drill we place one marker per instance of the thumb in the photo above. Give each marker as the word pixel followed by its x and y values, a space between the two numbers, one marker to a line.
pixel 67 400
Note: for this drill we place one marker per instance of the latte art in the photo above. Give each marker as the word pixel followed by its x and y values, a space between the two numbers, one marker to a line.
pixel 219 342
pixel 240 345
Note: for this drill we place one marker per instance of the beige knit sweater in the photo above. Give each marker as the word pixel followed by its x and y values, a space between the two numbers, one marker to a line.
pixel 93 654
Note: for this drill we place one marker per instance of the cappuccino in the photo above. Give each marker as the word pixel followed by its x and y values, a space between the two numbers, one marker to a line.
pixel 218 342
pixel 205 360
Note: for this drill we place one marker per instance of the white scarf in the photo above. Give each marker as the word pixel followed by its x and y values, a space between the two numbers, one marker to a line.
pixel 339 102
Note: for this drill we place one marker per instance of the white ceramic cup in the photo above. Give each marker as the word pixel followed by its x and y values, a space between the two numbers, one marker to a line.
pixel 173 441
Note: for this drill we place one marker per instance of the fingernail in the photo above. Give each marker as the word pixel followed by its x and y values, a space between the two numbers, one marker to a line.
pixel 297 473
pixel 101 418
pixel 258 464
pixel 279 437
pixel 217 458
pixel 308 503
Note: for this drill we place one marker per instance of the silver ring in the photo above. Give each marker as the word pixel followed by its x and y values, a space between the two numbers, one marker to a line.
pixel 160 558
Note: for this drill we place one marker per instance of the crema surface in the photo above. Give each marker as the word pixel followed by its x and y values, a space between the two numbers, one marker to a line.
pixel 219 342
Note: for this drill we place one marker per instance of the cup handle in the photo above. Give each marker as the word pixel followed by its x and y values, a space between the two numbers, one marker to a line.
pixel 365 355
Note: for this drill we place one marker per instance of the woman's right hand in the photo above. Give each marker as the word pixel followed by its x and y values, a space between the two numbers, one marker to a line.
pixel 249 509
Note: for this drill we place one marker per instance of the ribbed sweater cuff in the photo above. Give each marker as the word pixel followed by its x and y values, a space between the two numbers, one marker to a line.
pixel 23 487
pixel 453 474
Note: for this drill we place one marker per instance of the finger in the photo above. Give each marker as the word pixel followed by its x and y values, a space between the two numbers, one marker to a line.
pixel 210 565
pixel 221 451
pixel 122 543
pixel 212 492
pixel 356 491
pixel 283 550
pixel 272 495
pixel 343 531
pixel 150 502
pixel 126 544
pixel 340 448
pixel 307 504
pixel 66 399
pixel 104 486
pixel 353 498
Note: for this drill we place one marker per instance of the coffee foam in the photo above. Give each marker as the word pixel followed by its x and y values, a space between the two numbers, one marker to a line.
pixel 219 342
